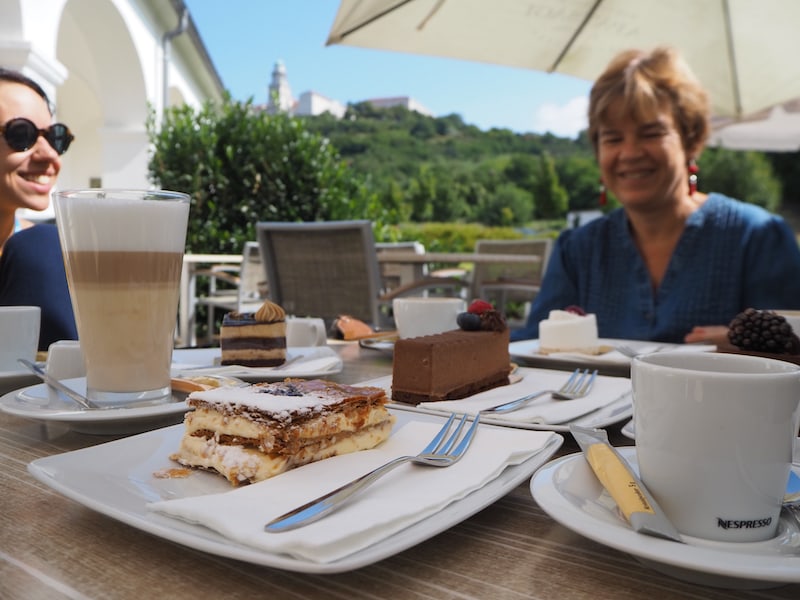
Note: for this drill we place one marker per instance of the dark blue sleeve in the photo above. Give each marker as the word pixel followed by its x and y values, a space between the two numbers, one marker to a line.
pixel 32 274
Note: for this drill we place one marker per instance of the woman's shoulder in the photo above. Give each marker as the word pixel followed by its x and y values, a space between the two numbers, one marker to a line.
pixel 38 233
pixel 725 207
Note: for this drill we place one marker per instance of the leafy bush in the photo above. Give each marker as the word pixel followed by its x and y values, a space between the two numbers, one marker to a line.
pixel 243 166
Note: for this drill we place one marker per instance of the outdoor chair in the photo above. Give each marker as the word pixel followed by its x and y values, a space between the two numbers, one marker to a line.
pixel 327 269
pixel 233 287
pixel 506 283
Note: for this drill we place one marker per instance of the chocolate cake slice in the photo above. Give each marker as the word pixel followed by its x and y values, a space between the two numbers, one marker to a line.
pixel 454 364
pixel 254 339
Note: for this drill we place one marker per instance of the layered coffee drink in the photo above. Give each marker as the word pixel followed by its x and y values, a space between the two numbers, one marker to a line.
pixel 123 254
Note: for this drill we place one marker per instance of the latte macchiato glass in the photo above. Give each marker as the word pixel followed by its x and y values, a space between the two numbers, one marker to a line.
pixel 123 251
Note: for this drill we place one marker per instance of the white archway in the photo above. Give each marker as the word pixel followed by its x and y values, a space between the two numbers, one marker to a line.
pixel 104 99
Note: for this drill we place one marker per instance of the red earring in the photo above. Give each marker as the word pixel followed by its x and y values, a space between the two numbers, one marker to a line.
pixel 602 189
pixel 693 170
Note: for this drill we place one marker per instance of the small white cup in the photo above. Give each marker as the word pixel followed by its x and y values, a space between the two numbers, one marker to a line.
pixel 714 439
pixel 302 332
pixel 418 316
pixel 65 360
pixel 19 335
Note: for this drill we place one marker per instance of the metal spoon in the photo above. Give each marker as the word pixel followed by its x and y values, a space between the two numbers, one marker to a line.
pixel 57 385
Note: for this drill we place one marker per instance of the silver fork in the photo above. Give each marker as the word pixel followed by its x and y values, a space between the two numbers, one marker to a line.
pixel 633 353
pixel 439 453
pixel 578 385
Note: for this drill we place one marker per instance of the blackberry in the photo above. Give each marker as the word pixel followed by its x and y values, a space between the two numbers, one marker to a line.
pixel 763 331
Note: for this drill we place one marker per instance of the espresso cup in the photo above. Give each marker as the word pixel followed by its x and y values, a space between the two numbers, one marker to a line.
pixel 19 335
pixel 302 332
pixel 714 439
pixel 417 316
pixel 123 252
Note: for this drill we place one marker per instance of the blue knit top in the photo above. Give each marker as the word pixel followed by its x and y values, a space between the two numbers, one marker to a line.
pixel 731 256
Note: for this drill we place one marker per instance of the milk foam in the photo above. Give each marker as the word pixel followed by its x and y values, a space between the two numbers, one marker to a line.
pixel 122 222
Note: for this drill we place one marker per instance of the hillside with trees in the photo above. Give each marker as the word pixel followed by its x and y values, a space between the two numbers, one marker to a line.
pixel 446 168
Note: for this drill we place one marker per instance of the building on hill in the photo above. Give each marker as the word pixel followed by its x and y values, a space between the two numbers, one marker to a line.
pixel 312 103
pixel 404 101
pixel 279 96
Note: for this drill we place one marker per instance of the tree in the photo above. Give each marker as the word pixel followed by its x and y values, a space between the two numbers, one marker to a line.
pixel 746 176
pixel 242 166
pixel 552 201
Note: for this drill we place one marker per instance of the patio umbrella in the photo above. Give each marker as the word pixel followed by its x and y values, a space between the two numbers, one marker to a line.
pixel 774 130
pixel 744 51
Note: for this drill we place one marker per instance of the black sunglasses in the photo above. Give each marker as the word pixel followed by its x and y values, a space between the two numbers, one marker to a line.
pixel 22 134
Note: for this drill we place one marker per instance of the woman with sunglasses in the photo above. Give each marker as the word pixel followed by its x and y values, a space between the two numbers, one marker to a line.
pixel 31 264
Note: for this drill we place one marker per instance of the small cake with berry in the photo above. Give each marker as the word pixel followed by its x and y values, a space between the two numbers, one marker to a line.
pixel 569 330
pixel 454 364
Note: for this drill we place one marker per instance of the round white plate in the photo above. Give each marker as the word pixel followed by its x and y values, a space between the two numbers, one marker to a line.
pixel 569 492
pixel 39 402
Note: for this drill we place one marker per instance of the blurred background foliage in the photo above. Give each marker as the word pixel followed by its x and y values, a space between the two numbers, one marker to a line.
pixel 437 180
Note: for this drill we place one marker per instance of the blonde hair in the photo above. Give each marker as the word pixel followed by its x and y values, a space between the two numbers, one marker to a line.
pixel 647 83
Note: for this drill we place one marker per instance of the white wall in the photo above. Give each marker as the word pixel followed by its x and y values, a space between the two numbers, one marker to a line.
pixel 101 62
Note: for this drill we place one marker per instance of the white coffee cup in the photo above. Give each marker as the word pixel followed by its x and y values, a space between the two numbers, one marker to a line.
pixel 19 335
pixel 65 360
pixel 714 439
pixel 416 316
pixel 302 332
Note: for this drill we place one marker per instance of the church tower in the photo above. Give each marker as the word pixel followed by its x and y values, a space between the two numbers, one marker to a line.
pixel 280 94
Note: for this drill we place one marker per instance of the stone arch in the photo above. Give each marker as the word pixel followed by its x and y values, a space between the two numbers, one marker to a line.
pixel 104 97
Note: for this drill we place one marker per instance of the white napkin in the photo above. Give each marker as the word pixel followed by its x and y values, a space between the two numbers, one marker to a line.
pixel 308 361
pixel 405 496
pixel 614 356
pixel 543 410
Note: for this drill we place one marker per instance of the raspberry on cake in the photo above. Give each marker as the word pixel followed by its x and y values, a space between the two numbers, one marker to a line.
pixel 454 364
pixel 252 433
pixel 569 331
pixel 254 339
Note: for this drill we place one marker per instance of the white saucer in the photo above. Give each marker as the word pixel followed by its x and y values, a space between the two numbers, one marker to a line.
pixel 569 492
pixel 41 403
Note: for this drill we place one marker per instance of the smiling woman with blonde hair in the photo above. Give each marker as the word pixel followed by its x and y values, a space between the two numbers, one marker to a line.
pixel 31 264
pixel 671 258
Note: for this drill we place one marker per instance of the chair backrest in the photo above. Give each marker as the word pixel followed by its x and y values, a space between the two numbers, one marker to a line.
pixel 520 275
pixel 252 277
pixel 322 269
pixel 396 274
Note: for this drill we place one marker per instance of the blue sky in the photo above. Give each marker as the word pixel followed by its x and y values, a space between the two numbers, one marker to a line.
pixel 246 37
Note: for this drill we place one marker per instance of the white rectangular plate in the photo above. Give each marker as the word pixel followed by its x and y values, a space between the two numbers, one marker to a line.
pixel 310 361
pixel 116 479
pixel 528 350
pixel 611 413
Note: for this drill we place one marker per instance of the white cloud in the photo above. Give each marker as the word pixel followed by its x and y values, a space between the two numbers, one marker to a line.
pixel 564 121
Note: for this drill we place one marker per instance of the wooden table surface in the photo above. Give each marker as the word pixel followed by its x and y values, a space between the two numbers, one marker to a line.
pixel 54 548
